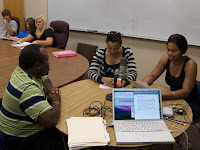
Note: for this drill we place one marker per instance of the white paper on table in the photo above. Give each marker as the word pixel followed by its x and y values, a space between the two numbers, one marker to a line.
pixel 21 45
pixel 103 86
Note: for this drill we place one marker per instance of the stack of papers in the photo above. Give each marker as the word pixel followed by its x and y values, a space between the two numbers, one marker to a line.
pixel 64 53
pixel 21 45
pixel 86 132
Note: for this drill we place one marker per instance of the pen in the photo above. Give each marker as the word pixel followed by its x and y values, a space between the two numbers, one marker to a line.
pixel 176 122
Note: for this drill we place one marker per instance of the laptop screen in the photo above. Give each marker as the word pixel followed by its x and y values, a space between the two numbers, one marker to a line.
pixel 137 104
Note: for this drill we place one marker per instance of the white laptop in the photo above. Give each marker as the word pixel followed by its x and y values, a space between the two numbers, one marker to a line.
pixel 138 118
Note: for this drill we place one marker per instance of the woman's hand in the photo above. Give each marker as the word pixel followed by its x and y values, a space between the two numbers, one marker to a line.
pixel 120 83
pixel 9 38
pixel 35 42
pixel 108 81
pixel 18 42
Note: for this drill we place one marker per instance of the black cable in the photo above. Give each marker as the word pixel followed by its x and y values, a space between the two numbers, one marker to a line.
pixel 177 106
pixel 95 110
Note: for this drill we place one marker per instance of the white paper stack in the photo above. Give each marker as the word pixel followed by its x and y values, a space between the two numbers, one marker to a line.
pixel 86 132
pixel 21 45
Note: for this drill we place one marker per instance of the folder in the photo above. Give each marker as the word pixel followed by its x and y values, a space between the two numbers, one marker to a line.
pixel 64 53
pixel 86 132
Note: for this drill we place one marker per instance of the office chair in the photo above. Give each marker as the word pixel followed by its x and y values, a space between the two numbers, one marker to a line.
pixel 88 52
pixel 61 30
pixel 18 22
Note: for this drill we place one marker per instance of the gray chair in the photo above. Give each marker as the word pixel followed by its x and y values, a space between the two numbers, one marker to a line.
pixel 88 52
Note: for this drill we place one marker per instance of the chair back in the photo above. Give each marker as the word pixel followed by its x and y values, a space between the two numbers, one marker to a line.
pixel 2 144
pixel 61 30
pixel 87 50
pixel 18 22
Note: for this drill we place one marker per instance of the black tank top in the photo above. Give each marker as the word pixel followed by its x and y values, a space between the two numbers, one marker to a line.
pixel 176 83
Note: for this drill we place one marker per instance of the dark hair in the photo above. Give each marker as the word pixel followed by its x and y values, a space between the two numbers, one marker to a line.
pixel 30 55
pixel 114 36
pixel 31 22
pixel 6 12
pixel 180 41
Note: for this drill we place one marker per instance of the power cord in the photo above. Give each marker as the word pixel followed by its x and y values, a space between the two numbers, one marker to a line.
pixel 181 110
pixel 97 108
pixel 183 143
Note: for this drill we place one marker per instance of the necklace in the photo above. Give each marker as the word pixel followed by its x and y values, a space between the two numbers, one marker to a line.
pixel 173 68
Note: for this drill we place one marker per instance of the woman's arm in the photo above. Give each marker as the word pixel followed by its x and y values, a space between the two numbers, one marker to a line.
pixel 46 39
pixel 45 43
pixel 188 83
pixel 12 38
pixel 26 39
pixel 157 71
pixel 94 66
pixel 132 71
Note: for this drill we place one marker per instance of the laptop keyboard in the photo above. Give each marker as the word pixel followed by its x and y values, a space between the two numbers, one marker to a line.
pixel 141 126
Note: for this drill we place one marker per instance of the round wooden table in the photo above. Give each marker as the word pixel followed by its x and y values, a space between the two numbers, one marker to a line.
pixel 62 70
pixel 77 96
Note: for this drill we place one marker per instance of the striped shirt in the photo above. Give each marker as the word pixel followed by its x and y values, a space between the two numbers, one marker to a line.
pixel 23 102
pixel 106 70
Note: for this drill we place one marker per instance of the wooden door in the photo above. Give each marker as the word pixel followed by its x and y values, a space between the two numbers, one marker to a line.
pixel 17 9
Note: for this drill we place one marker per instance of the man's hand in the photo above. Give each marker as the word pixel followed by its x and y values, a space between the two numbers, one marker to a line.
pixel 50 118
pixel 54 95
pixel 5 21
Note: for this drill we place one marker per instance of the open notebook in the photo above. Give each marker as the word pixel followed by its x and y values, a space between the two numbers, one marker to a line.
pixel 138 118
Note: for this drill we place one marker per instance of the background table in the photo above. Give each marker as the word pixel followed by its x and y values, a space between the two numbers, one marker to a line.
pixel 77 96
pixel 62 70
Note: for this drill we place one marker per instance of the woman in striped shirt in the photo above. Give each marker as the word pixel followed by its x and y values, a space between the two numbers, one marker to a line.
pixel 108 60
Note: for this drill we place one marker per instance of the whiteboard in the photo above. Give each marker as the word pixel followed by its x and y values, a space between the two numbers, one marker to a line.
pixel 149 19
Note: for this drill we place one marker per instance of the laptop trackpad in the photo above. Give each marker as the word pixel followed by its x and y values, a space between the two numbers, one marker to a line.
pixel 143 137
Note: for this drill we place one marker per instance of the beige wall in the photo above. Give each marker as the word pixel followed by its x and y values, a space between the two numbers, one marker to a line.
pixel 31 8
pixel 35 8
pixel 1 9
pixel 146 52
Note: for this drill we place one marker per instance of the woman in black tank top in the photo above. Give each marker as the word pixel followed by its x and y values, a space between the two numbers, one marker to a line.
pixel 181 72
